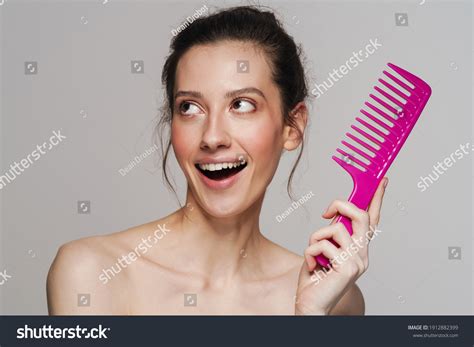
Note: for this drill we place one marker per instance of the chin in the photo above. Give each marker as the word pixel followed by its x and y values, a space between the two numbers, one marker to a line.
pixel 224 208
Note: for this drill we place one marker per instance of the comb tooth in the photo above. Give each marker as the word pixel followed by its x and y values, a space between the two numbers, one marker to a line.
pixel 379 122
pixel 374 129
pixel 408 76
pixel 371 138
pixel 366 145
pixel 389 97
pixel 339 161
pixel 361 153
pixel 412 101
pixel 383 114
pixel 383 103
pixel 402 84
pixel 398 81
pixel 393 89
pixel 347 167
pixel 355 160
pixel 398 69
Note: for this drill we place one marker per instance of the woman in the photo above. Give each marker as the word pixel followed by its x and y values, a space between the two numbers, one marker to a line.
pixel 236 92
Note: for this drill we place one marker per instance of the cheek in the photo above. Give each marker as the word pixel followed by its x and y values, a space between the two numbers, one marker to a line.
pixel 264 142
pixel 182 141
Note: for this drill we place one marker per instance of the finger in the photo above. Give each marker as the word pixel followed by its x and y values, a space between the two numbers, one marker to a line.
pixel 376 203
pixel 358 217
pixel 324 247
pixel 330 216
pixel 336 231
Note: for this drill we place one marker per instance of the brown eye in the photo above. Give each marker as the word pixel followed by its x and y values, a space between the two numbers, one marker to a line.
pixel 189 108
pixel 243 106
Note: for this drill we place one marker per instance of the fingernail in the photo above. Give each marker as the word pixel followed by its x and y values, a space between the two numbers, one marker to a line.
pixel 386 182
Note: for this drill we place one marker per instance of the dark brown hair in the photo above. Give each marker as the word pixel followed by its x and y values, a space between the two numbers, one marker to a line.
pixel 247 24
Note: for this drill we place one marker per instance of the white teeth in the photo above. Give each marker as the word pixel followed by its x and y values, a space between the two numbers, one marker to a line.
pixel 219 166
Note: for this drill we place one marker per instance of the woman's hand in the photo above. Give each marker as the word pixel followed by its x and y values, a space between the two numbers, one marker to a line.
pixel 320 290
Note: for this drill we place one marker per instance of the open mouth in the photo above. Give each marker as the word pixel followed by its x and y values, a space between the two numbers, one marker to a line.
pixel 219 172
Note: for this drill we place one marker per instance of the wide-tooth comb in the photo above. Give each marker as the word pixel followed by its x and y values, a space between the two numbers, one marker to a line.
pixel 380 134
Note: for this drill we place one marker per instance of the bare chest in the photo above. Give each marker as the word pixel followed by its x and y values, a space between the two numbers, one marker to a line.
pixel 161 293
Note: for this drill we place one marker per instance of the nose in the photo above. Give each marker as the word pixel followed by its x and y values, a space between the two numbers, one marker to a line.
pixel 215 134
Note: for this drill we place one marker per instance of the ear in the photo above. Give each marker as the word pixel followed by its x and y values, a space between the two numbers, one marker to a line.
pixel 291 137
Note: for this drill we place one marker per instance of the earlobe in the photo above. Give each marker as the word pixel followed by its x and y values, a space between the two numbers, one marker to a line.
pixel 291 139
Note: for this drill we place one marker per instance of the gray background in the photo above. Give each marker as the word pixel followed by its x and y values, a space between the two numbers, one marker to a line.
pixel 85 87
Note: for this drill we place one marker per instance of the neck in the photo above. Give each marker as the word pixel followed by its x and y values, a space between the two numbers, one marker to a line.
pixel 222 248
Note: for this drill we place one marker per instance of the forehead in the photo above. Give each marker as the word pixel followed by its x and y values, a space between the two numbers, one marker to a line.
pixel 223 65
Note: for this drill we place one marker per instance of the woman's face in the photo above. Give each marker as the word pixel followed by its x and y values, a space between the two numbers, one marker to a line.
pixel 227 110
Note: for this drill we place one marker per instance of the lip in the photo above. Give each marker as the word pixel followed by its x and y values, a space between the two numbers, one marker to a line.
pixel 222 184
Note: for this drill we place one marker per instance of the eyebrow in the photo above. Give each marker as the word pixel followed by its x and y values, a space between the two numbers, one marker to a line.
pixel 231 94
pixel 253 90
pixel 188 93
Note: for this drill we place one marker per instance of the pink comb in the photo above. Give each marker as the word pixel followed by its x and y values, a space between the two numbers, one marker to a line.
pixel 382 131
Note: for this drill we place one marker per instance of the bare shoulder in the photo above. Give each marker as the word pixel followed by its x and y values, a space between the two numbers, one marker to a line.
pixel 74 285
pixel 286 260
